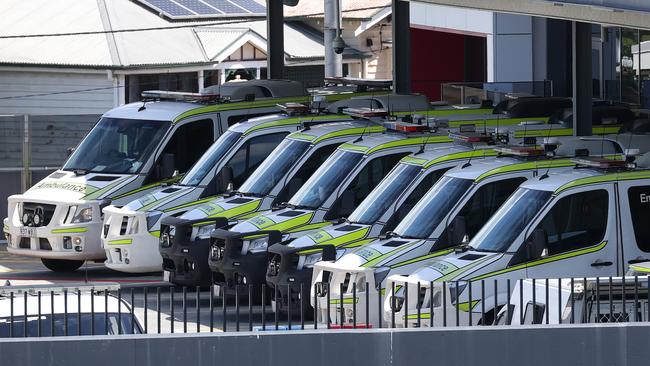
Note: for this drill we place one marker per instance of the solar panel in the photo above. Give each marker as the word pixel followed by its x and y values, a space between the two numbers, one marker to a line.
pixel 184 9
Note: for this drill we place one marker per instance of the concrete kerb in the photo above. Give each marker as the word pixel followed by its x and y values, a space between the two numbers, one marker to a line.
pixel 593 344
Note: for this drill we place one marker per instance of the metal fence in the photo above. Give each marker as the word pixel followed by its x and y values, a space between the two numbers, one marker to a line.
pixel 90 309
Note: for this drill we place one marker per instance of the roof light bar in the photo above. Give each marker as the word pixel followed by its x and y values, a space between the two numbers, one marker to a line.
pixel 179 96
pixel 600 163
pixel 366 112
pixel 471 137
pixel 521 150
pixel 405 127
pixel 293 108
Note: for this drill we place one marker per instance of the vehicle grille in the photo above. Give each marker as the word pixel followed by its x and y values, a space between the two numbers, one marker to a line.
pixel 24 243
pixel 125 222
pixel 30 210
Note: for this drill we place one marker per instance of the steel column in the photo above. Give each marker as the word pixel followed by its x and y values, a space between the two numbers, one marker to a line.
pixel 582 79
pixel 401 47
pixel 275 39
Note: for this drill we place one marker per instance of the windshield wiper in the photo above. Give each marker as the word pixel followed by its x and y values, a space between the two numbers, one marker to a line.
pixel 299 207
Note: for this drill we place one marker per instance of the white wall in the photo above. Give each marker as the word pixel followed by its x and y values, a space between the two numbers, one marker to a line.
pixel 20 82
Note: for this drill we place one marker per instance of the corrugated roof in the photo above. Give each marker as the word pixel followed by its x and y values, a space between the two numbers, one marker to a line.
pixel 351 9
pixel 198 44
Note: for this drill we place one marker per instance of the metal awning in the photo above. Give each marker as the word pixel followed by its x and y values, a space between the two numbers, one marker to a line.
pixel 624 13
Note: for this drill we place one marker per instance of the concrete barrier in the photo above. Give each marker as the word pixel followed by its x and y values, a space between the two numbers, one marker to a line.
pixel 593 345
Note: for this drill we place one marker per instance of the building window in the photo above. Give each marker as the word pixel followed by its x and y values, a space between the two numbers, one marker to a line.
pixel 181 81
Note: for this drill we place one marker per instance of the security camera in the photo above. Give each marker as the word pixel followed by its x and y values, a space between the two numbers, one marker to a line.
pixel 338 44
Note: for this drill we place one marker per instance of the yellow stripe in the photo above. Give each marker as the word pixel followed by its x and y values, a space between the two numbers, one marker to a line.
pixel 120 242
pixel 70 230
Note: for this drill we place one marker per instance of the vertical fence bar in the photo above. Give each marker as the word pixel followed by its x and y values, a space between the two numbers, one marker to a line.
pixel 636 298
pixel 132 312
pixel 393 303
pixel 119 311
pixel 237 308
pixel 277 306
pixel 380 307
pixel 25 314
pixel 250 308
pixel 483 322
pixel 648 296
pixel 431 304
pixel 457 307
pixel 508 311
pixel 184 309
pixel 198 309
pixel 288 305
pixel 302 307
pixel 417 304
pixel 444 303
pixel 263 306
pixel 105 312
pixel 158 308
pixel 584 300
pixel 354 304
pixel 597 299
pixel 39 315
pixel 211 308
pixel 65 312
pixel 224 323
pixel 496 302
pixel 559 301
pixel 469 303
pixel 521 301
pixel 341 310
pixel 11 313
pixel 329 319
pixel 171 307
pixel 52 312
pixel 315 307
pixel 146 310
pixel 573 309
pixel 406 304
pixel 78 311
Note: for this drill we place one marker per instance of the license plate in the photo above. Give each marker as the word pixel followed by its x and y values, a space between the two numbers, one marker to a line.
pixel 28 232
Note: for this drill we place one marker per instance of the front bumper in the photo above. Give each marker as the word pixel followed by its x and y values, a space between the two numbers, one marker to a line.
pixel 57 238
pixel 342 293
pixel 283 274
pixel 231 264
pixel 128 245
pixel 184 257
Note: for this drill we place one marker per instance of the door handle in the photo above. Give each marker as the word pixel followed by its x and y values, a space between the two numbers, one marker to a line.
pixel 635 261
pixel 600 263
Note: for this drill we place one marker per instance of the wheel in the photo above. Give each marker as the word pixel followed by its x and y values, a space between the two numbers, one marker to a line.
pixel 61 265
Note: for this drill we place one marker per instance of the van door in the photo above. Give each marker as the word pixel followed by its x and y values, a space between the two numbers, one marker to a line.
pixel 634 198
pixel 580 232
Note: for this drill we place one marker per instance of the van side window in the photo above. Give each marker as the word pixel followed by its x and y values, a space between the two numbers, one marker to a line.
pixel 236 118
pixel 313 162
pixel 576 221
pixel 187 145
pixel 413 198
pixel 485 202
pixel 251 154
pixel 639 198
pixel 362 184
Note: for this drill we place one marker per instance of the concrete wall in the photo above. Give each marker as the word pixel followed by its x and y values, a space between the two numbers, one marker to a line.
pixel 593 345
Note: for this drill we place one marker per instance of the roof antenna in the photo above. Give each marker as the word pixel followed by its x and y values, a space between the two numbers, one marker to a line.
pixel 143 106
pixel 469 161
pixel 360 138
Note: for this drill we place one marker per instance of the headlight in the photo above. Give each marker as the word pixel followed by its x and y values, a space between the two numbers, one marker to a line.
pixel 203 232
pixel 84 214
pixel 152 219
pixel 311 259
pixel 258 245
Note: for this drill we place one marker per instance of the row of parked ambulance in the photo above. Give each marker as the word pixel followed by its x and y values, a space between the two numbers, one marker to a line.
pixel 350 196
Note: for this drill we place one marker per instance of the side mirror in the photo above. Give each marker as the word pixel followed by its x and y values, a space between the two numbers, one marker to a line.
pixel 166 168
pixel 346 203
pixel 224 179
pixel 69 151
pixel 536 244
pixel 457 230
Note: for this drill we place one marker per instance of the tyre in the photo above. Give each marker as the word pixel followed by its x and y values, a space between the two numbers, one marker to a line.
pixel 61 265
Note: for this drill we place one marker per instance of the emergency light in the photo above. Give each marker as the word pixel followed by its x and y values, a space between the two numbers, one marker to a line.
pixel 600 163
pixel 521 150
pixel 365 112
pixel 293 108
pixel 179 96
